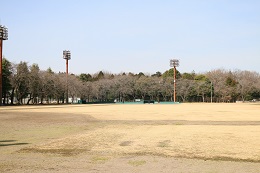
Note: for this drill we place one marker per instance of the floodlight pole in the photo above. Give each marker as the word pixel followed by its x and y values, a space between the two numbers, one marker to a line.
pixel 174 97
pixel 3 36
pixel 67 57
pixel 211 93
pixel 1 76
pixel 174 63
pixel 67 87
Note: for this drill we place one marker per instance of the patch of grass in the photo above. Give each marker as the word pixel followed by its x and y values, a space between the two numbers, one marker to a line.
pixel 217 158
pixel 126 143
pixel 137 162
pixel 99 159
pixel 63 152
pixel 163 144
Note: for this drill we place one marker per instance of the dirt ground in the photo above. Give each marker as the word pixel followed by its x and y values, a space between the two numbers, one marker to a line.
pixel 194 138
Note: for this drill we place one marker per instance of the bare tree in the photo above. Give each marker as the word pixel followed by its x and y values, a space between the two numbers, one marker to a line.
pixel 218 78
pixel 87 91
pixel 13 81
pixel 143 84
pixel 59 87
pixel 123 86
pixel 74 87
pixel 184 88
pixel 95 91
pixel 202 89
pixel 247 82
pixel 48 88
pixel 156 87
pixel 132 86
pixel 101 89
pixel 6 74
pixel 168 88
pixel 34 83
pixel 21 81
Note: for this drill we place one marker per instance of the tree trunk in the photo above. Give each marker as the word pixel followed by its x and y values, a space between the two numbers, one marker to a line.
pixel 12 96
pixel 183 98
pixel 203 98
pixel 158 99
pixel 42 99
pixel 4 101
pixel 28 102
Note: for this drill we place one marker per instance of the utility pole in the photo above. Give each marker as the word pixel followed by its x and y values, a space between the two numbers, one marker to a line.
pixel 3 36
pixel 67 57
pixel 174 63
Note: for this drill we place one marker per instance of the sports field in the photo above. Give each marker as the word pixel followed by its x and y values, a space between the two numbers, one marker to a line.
pixel 131 138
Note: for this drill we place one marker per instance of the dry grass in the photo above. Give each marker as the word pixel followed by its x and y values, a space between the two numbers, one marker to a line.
pixel 200 131
pixel 137 162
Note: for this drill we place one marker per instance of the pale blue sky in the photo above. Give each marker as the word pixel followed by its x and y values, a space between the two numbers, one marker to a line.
pixel 133 35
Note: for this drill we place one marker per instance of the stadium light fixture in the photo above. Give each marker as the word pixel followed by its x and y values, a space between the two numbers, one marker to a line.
pixel 3 36
pixel 67 57
pixel 174 63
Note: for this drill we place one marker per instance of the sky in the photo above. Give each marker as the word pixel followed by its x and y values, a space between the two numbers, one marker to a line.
pixel 133 35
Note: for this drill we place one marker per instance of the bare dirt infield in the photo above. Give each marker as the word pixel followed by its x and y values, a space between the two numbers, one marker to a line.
pixel 130 138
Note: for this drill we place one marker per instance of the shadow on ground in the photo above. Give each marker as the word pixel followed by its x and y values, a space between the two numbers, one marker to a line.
pixel 5 143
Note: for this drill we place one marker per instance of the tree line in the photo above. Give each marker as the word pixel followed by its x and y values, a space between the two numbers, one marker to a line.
pixel 28 84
